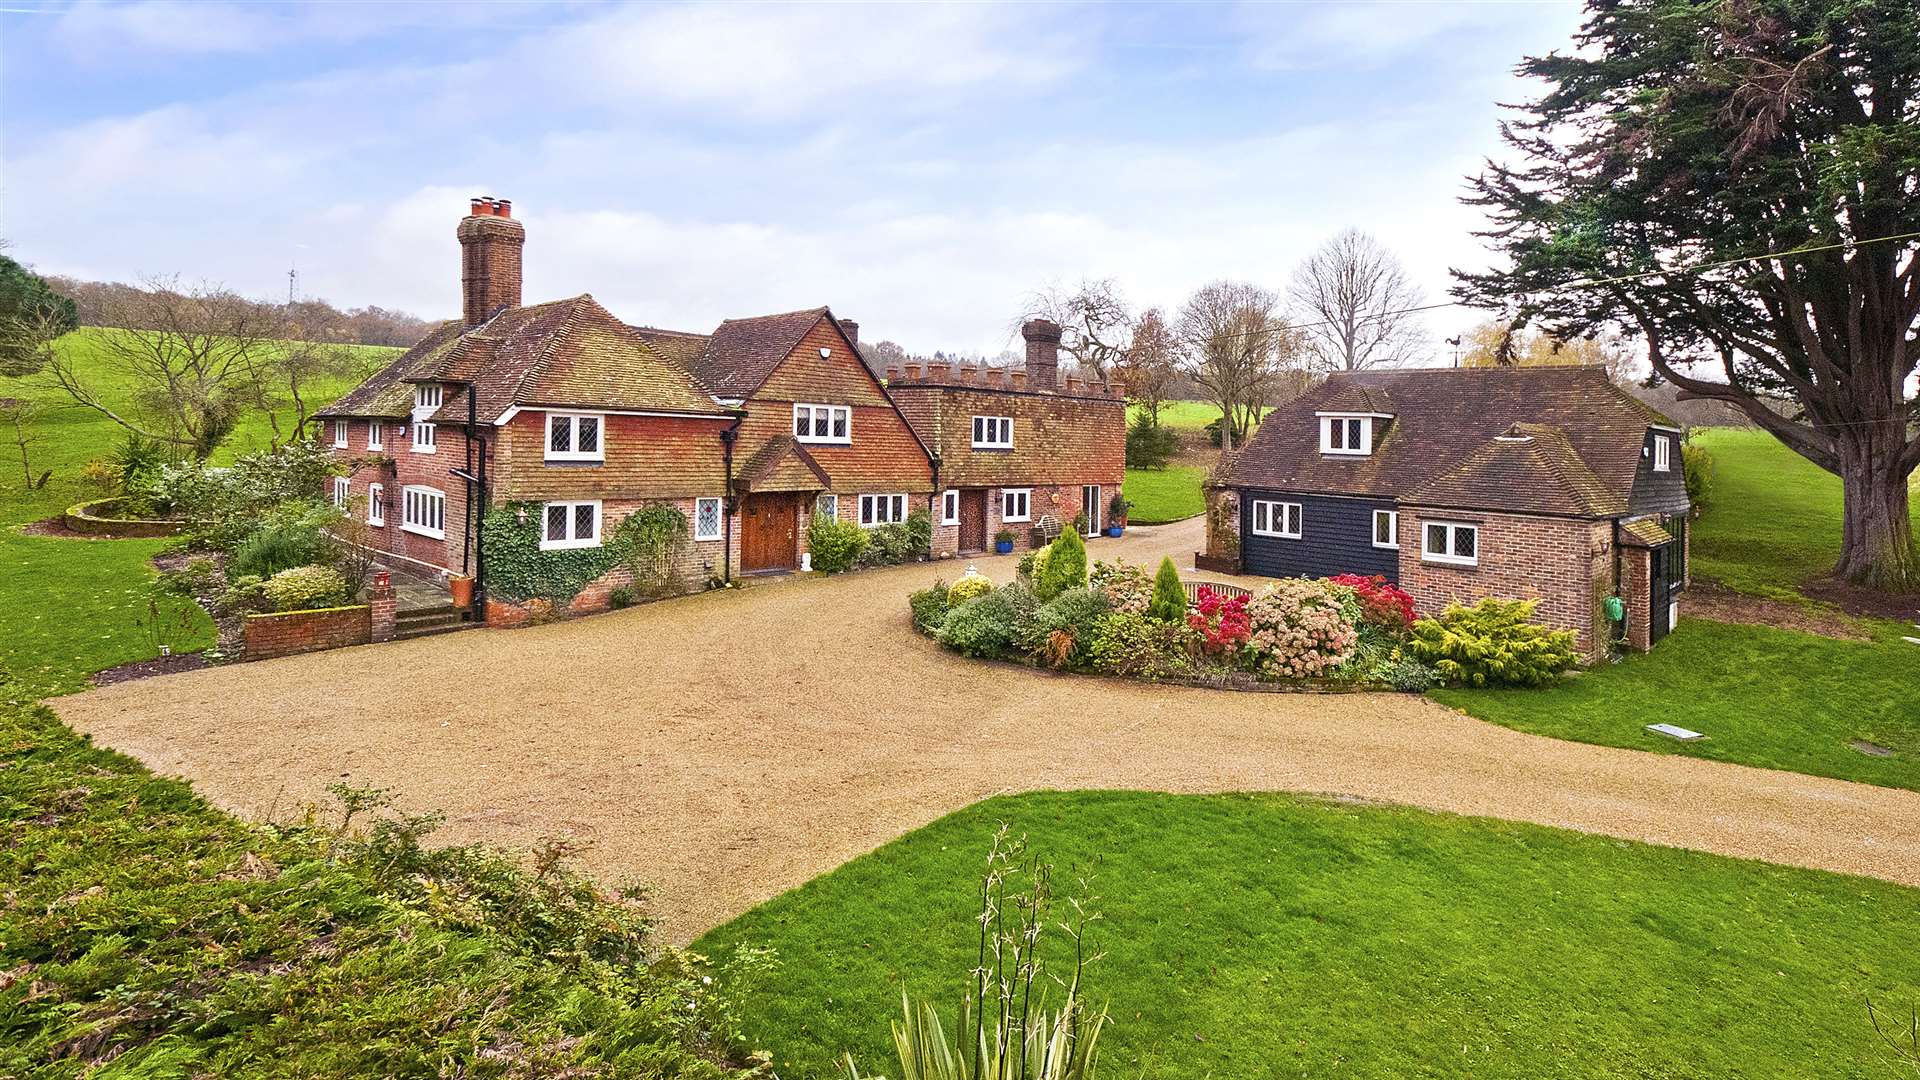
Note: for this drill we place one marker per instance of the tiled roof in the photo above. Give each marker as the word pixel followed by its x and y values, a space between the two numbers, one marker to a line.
pixel 782 464
pixel 1441 434
pixel 566 353
pixel 1644 532
pixel 740 353
pixel 1529 468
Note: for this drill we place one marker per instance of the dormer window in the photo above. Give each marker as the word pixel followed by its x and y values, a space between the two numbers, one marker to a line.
pixel 426 396
pixel 1345 433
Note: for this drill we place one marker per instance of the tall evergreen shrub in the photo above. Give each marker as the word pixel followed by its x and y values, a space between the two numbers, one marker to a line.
pixel 1065 567
pixel 1169 602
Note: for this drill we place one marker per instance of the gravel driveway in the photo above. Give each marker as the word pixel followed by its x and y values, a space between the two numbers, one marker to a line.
pixel 729 746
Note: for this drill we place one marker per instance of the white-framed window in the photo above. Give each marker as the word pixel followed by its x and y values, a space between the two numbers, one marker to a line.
pixel 422 438
pixel 882 509
pixel 993 432
pixel 376 513
pixel 569 525
pixel 575 437
pixel 823 423
pixel 827 506
pixel 340 492
pixel 1450 542
pixel 706 519
pixel 423 510
pixel 1016 504
pixel 375 439
pixel 950 507
pixel 426 396
pixel 1271 518
pixel 1386 528
pixel 1346 435
pixel 1662 453
pixel 340 434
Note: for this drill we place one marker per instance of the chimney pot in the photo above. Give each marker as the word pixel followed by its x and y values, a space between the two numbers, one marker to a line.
pixel 1019 379
pixel 996 377
pixel 505 208
pixel 913 369
pixel 893 372
pixel 479 207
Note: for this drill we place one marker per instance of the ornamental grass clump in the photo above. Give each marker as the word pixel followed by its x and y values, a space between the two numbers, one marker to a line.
pixel 1299 630
pixel 1494 643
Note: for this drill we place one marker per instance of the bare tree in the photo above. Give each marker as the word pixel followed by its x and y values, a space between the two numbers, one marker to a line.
pixel 1236 346
pixel 198 359
pixel 1351 299
pixel 1148 368
pixel 1095 323
pixel 22 415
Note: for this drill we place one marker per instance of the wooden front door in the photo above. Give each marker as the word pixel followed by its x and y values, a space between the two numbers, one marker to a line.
pixel 769 533
pixel 973 521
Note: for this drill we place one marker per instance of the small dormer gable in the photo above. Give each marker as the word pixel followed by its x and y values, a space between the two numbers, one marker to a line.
pixel 1351 434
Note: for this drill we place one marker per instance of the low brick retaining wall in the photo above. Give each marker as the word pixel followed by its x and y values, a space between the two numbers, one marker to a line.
pixel 284 633
pixel 96 519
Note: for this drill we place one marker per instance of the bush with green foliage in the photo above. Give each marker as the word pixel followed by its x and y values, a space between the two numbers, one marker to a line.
pixel 30 312
pixel 1405 674
pixel 197 576
pixel 647 541
pixel 245 595
pixel 1696 468
pixel 225 506
pixel 1142 648
pixel 135 468
pixel 167 938
pixel 306 587
pixel 1063 567
pixel 1127 587
pixel 289 535
pixel 1169 601
pixel 1301 628
pixel 971 584
pixel 1493 643
pixel 1062 631
pixel 836 545
pixel 898 542
pixel 929 607
pixel 622 596
pixel 987 626
pixel 1150 446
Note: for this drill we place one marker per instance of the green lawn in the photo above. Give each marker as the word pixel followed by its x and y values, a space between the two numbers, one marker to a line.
pixel 1773 698
pixel 1773 520
pixel 1183 415
pixel 69 608
pixel 1162 495
pixel 1263 935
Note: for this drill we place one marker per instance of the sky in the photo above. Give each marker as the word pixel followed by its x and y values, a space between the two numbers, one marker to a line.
pixel 922 168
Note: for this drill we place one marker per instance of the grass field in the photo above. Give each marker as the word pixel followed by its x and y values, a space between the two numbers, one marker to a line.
pixel 1773 520
pixel 72 606
pixel 1162 495
pixel 1183 415
pixel 1276 936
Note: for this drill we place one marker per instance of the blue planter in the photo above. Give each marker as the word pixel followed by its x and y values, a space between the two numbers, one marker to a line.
pixel 1116 530
pixel 1003 547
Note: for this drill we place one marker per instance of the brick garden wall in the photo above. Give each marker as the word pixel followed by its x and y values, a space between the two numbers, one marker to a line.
pixel 288 632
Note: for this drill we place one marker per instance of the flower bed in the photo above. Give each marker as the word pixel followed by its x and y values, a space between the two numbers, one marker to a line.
pixel 1297 634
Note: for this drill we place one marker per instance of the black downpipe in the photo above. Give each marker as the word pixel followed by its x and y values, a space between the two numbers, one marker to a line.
pixel 473 524
pixel 727 438
pixel 477 506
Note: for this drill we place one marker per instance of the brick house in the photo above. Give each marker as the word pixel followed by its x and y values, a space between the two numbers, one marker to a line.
pixel 1462 484
pixel 820 435
pixel 1014 448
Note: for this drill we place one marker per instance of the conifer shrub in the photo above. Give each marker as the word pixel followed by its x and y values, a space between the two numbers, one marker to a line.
pixel 1493 643
pixel 1063 567
pixel 1169 601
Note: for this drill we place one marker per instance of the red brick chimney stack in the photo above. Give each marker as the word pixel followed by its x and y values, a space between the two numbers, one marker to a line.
pixel 851 329
pixel 490 242
pixel 1043 353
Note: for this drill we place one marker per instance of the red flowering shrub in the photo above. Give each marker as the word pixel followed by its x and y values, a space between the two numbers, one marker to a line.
pixel 1222 621
pixel 1382 604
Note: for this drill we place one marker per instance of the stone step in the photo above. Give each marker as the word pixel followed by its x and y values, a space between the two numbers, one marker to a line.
pixel 410 632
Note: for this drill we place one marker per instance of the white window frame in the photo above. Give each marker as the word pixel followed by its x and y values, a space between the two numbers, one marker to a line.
pixel 841 413
pixel 1007 496
pixel 426 396
pixel 1427 554
pixel 571 541
pixel 342 490
pixel 572 421
pixel 827 505
pixel 424 440
pixel 376 514
pixel 1662 454
pixel 950 507
pixel 375 439
pixel 1393 528
pixel 339 434
pixel 428 496
pixel 719 519
pixel 993 433
pixel 1328 445
pixel 1262 512
pixel 878 510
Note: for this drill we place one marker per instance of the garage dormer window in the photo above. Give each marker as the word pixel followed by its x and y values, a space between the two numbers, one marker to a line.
pixel 1346 433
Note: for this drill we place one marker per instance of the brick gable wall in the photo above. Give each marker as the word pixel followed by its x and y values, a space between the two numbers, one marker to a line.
pixel 1566 563
pixel 1057 439
pixel 397 467
pixel 647 457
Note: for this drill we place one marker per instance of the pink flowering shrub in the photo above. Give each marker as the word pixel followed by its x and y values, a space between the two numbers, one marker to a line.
pixel 1382 604
pixel 1297 629
pixel 1221 621
pixel 1126 587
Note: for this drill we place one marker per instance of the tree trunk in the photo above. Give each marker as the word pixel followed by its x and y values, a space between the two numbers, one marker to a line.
pixel 1876 542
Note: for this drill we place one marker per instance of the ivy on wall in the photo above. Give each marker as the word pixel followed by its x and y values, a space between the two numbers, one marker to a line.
pixel 649 541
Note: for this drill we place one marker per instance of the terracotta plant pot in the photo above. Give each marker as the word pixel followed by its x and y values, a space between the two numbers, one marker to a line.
pixel 462 588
